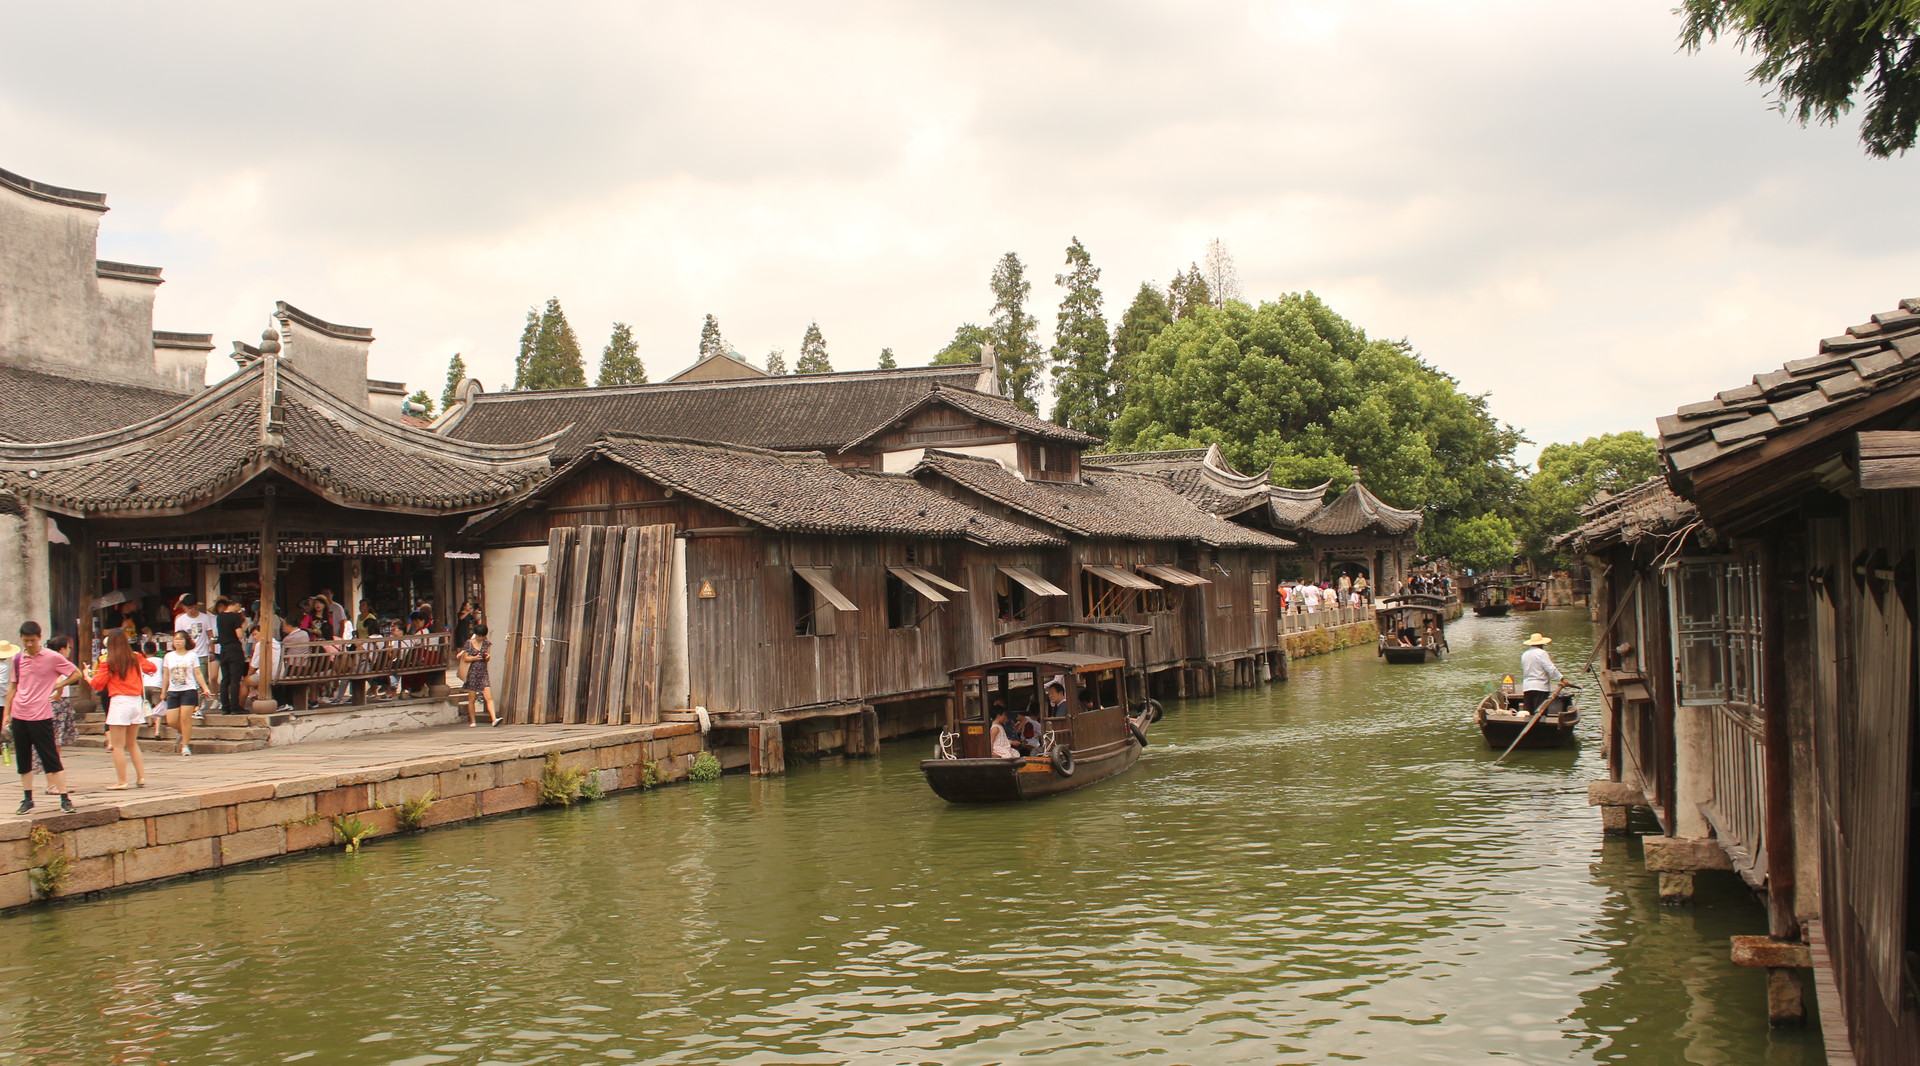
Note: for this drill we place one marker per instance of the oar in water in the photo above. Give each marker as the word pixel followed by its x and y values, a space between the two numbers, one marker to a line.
pixel 1537 713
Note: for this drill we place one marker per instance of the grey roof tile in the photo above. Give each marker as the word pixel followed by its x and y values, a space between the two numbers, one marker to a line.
pixel 37 407
pixel 1800 407
pixel 1762 423
pixel 1845 385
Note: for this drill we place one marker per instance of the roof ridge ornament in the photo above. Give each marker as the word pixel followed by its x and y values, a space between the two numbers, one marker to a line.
pixel 273 412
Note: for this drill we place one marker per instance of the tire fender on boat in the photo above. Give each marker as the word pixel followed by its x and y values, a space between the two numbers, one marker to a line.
pixel 1150 712
pixel 1139 734
pixel 1062 759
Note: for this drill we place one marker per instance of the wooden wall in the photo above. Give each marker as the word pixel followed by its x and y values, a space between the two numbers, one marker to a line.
pixel 605 493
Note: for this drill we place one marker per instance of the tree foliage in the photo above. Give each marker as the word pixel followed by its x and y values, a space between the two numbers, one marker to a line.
pixel 555 361
pixel 813 352
pixel 1223 280
pixel 777 361
pixel 1144 318
pixel 422 403
pixel 1817 54
pixel 1016 349
pixel 963 348
pixel 456 376
pixel 887 361
pixel 528 335
pixel 1081 356
pixel 1293 385
pixel 1569 475
pixel 1189 292
pixel 620 361
pixel 711 342
pixel 1483 542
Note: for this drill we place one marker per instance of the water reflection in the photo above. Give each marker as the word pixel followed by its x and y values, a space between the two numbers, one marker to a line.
pixel 1328 870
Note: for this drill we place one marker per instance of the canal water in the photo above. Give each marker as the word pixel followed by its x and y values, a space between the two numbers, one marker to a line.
pixel 1330 870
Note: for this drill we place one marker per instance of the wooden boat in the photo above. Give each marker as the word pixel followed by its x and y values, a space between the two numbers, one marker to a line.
pixel 1413 628
pixel 1528 596
pixel 1502 717
pixel 1096 738
pixel 1490 597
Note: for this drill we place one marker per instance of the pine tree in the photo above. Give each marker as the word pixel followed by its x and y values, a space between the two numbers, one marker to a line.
pixel 813 353
pixel 777 362
pixel 422 402
pixel 887 361
pixel 527 338
pixel 711 342
pixel 456 377
pixel 963 348
pixel 1144 319
pixel 1188 293
pixel 556 362
pixel 1223 281
pixel 620 362
pixel 1082 373
pixel 1012 332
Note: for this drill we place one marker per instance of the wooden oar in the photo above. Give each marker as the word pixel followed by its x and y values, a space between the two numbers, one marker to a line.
pixel 1537 713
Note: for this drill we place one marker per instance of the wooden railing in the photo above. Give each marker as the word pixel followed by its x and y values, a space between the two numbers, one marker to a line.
pixel 1299 621
pixel 1738 809
pixel 364 659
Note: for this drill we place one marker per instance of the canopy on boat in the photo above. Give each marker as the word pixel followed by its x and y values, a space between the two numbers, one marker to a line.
pixel 1046 662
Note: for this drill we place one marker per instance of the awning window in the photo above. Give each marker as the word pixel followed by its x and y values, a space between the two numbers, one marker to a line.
pixel 1034 583
pixel 1126 579
pixel 917 582
pixel 935 580
pixel 1173 575
pixel 821 578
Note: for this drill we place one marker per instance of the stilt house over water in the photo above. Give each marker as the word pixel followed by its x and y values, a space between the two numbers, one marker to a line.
pixel 1761 668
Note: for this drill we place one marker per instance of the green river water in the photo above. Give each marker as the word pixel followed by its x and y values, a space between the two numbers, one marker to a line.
pixel 1329 870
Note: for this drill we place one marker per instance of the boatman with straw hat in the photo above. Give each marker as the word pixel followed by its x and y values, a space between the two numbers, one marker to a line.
pixel 1537 672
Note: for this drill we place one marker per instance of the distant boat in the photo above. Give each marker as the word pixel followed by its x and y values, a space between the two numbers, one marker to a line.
pixel 1528 596
pixel 1502 718
pixel 1490 597
pixel 1093 740
pixel 1412 627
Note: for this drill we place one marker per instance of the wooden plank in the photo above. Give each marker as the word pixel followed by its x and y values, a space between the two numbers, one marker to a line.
pixel 523 648
pixel 552 621
pixel 570 692
pixel 652 591
pixel 598 646
pixel 614 641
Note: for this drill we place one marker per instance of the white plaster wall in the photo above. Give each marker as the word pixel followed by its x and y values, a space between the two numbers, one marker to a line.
pixel 339 366
pixel 385 404
pixel 1693 770
pixel 1007 455
pixel 181 368
pixel 121 327
pixel 24 592
pixel 498 567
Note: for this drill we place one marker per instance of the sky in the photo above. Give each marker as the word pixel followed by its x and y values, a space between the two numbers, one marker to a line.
pixel 1547 198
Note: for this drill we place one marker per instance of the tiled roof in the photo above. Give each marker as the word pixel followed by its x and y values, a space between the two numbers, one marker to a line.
pixel 1202 475
pixel 1650 508
pixel 1358 510
pixel 1111 504
pixel 988 408
pixel 36 406
pixel 1867 359
pixel 1291 507
pixel 267 417
pixel 819 412
pixel 800 492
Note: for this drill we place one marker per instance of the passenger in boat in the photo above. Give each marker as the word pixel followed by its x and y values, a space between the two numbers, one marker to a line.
pixel 1537 672
pixel 1026 731
pixel 1056 699
pixel 997 743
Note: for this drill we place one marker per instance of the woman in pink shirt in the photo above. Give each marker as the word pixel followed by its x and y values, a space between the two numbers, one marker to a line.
pixel 37 675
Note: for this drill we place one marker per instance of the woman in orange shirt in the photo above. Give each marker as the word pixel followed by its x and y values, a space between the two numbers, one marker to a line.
pixel 118 675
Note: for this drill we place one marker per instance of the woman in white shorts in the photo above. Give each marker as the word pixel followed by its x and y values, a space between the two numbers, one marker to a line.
pixel 118 675
pixel 186 684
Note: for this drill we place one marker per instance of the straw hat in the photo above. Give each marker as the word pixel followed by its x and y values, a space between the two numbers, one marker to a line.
pixel 8 647
pixel 1536 640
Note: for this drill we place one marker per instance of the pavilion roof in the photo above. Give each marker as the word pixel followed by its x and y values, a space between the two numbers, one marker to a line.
pixel 1358 510
pixel 267 417
pixel 1202 475
pixel 40 406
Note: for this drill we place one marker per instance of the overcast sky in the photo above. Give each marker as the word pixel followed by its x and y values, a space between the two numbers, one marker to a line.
pixel 1546 197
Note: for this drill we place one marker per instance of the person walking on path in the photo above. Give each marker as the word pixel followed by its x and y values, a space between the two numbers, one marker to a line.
pixel 1537 672
pixel 186 684
pixel 37 674
pixel 475 653
pixel 118 676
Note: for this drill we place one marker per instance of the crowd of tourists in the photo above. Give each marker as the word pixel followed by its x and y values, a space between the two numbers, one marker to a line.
pixel 1306 597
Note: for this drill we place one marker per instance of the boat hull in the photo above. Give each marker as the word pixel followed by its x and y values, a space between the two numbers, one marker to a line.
pixel 1492 610
pixel 1500 728
pixel 1528 605
pixel 1409 655
pixel 1011 780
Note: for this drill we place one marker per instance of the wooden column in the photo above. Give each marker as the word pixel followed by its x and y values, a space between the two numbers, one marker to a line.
pixel 263 701
pixel 443 606
pixel 83 697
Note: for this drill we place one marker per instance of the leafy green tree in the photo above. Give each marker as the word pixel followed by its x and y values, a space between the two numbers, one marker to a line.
pixel 1481 543
pixel 777 362
pixel 813 353
pixel 887 361
pixel 528 336
pixel 1142 321
pixel 1081 360
pixel 1189 292
pixel 1567 476
pixel 1817 54
pixel 1293 385
pixel 963 348
pixel 556 362
pixel 456 376
pixel 422 402
pixel 711 342
pixel 1012 332
pixel 620 362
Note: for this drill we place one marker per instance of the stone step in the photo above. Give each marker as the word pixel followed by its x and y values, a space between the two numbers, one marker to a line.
pixel 169 747
pixel 199 732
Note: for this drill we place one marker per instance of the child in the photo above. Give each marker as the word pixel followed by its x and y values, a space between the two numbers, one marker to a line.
pixel 186 683
pixel 475 653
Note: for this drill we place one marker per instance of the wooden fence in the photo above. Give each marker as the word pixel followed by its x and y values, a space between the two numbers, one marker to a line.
pixel 1737 810
pixel 586 636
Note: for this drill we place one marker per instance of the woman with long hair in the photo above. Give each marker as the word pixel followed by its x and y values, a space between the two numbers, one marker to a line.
pixel 118 675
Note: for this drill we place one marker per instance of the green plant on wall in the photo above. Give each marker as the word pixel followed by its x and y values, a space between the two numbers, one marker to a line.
pixel 412 812
pixel 51 864
pixel 649 774
pixel 706 767
pixel 351 829
pixel 559 787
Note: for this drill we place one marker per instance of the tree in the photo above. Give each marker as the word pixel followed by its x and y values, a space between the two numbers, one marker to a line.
pixel 1567 476
pixel 1815 54
pixel 963 348
pixel 1081 361
pixel 1015 347
pixel 1483 542
pixel 887 361
pixel 813 353
pixel 1223 281
pixel 422 403
pixel 620 362
pixel 528 336
pixel 711 342
pixel 1293 385
pixel 1187 293
pixel 556 362
pixel 456 377
pixel 1144 318
pixel 777 361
